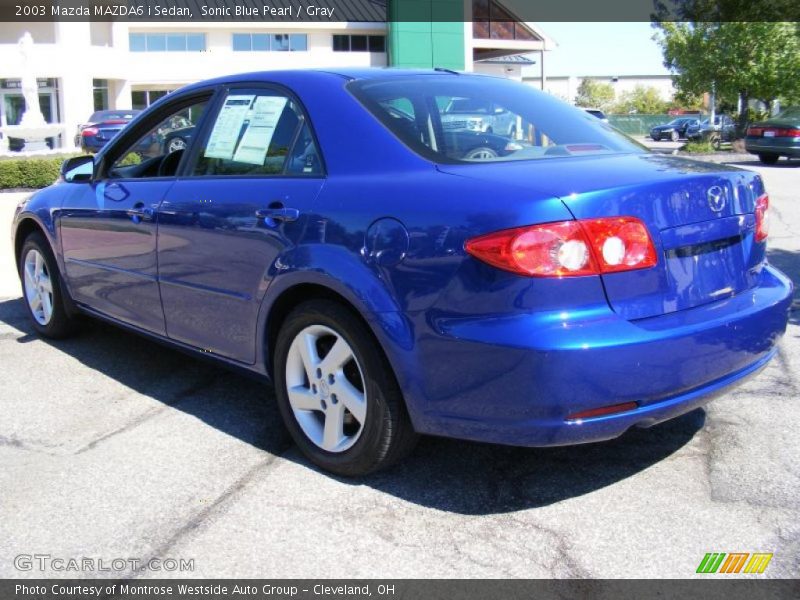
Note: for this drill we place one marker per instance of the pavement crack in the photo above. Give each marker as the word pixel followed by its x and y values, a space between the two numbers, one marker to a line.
pixel 199 519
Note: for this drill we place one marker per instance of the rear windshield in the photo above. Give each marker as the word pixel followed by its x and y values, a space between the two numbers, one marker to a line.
pixel 108 115
pixel 453 118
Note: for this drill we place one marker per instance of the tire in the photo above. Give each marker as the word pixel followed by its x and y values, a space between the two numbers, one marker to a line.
pixel 339 377
pixel 768 158
pixel 40 278
pixel 716 141
pixel 480 153
pixel 656 138
pixel 675 136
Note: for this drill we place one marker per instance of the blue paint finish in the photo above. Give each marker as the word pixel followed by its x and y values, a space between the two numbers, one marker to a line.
pixel 478 352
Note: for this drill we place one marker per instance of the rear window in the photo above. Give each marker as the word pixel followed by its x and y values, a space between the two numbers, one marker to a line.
pixel 454 119
pixel 106 115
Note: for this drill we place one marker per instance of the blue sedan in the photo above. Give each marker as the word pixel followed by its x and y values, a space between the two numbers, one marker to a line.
pixel 323 230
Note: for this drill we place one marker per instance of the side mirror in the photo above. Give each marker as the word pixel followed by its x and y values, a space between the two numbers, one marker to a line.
pixel 78 169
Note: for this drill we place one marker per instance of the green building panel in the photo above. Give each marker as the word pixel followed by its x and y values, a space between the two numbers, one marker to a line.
pixel 426 33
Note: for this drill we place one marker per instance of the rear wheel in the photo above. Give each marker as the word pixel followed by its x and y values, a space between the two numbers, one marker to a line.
pixel 675 136
pixel 41 286
pixel 336 392
pixel 768 159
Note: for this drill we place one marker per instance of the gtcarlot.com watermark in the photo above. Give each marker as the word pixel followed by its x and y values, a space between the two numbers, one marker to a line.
pixel 83 564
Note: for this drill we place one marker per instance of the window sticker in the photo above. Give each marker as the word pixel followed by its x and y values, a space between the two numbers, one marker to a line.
pixel 225 134
pixel 267 110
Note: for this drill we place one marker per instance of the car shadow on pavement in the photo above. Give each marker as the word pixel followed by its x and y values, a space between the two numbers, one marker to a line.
pixel 447 475
pixel 788 262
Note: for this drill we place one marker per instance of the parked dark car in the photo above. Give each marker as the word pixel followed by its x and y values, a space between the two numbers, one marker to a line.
pixel 103 125
pixel 674 130
pixel 775 137
pixel 392 278
pixel 722 130
pixel 597 113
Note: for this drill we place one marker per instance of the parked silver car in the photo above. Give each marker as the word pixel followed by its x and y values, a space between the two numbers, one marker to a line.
pixel 472 114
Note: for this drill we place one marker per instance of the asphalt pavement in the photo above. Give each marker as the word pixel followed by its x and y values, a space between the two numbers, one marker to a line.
pixel 114 447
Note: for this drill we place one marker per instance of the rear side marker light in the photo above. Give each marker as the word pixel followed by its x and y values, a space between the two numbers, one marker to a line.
pixel 762 218
pixel 568 248
pixel 602 411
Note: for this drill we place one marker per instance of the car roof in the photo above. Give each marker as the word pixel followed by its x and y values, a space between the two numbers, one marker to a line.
pixel 352 73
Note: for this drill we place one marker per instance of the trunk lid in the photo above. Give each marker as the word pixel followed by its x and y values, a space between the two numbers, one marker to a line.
pixel 700 216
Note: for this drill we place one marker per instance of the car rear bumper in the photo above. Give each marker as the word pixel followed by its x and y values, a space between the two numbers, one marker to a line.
pixel 516 380
pixel 781 146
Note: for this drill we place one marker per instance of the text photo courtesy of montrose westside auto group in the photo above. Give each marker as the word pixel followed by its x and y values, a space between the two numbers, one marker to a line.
pixel 380 298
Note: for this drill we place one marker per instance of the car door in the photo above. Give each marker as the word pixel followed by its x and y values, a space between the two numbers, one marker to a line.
pixel 242 201
pixel 108 228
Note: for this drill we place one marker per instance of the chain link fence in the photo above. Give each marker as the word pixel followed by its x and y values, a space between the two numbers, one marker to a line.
pixel 637 124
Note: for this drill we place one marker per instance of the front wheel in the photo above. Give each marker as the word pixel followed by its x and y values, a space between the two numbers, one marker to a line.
pixel 675 136
pixel 336 391
pixel 41 286
pixel 768 159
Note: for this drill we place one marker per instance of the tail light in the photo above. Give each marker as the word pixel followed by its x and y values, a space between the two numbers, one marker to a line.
pixel 762 218
pixel 90 131
pixel 755 131
pixel 568 248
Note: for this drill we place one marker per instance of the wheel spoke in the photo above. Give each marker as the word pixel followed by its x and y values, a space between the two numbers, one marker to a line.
pixel 38 269
pixel 301 398
pixel 47 284
pixel 36 302
pixel 47 307
pixel 334 428
pixel 337 357
pixel 308 351
pixel 352 399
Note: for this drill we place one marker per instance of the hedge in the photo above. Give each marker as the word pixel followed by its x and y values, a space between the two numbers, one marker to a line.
pixel 30 172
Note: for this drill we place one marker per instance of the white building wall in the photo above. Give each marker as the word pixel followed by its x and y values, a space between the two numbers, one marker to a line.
pixel 77 53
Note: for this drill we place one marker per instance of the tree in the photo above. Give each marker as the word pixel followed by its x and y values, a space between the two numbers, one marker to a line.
pixel 741 60
pixel 594 94
pixel 643 100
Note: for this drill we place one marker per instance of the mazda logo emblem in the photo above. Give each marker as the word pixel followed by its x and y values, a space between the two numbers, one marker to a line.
pixel 716 198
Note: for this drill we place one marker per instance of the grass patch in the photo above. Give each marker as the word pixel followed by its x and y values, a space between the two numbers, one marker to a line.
pixel 30 172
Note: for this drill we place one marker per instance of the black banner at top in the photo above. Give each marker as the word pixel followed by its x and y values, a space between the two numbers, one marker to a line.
pixel 366 11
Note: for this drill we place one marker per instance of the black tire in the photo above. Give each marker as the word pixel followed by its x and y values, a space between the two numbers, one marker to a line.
pixel 387 434
pixel 675 136
pixel 768 158
pixel 656 138
pixel 61 324
pixel 716 141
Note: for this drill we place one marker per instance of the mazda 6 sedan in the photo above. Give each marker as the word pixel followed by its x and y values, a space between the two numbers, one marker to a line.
pixel 323 230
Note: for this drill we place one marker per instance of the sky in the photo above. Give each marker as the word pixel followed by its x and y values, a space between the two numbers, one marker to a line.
pixel 601 49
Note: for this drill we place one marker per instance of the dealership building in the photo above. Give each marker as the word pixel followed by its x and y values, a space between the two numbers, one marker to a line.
pixel 82 67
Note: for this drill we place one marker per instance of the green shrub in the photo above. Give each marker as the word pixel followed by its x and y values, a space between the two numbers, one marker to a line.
pixel 30 172
pixel 701 147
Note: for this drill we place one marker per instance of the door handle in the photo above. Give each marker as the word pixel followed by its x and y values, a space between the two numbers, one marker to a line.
pixel 139 212
pixel 279 213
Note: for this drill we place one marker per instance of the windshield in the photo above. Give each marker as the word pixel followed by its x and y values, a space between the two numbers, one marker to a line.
pixel 452 118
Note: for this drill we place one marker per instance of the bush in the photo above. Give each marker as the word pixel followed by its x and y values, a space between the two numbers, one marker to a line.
pixel 701 147
pixel 30 172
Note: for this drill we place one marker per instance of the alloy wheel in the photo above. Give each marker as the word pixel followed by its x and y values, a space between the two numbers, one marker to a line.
pixel 38 287
pixel 326 390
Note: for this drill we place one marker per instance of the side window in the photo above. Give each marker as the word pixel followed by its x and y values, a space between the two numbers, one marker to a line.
pixel 258 132
pixel 158 152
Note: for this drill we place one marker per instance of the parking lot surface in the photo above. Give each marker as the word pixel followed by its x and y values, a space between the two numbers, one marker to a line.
pixel 112 446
